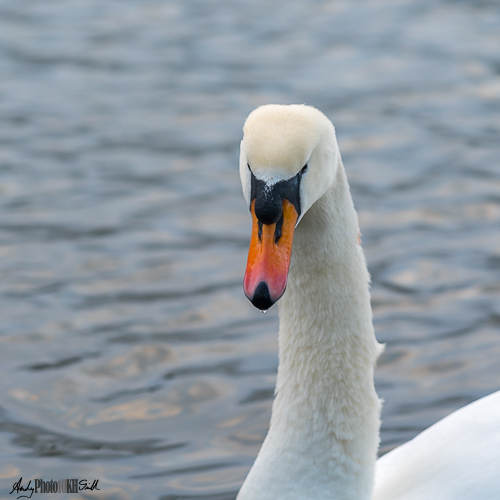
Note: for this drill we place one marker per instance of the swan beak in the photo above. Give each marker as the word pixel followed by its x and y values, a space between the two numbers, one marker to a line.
pixel 269 258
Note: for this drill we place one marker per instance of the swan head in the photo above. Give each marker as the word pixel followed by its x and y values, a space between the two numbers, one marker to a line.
pixel 288 159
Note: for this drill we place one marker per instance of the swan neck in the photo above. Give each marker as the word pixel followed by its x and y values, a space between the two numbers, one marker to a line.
pixel 324 430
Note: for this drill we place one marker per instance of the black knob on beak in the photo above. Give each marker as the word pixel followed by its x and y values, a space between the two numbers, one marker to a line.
pixel 269 197
pixel 268 209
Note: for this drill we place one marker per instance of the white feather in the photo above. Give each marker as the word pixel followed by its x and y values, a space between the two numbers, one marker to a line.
pixel 324 432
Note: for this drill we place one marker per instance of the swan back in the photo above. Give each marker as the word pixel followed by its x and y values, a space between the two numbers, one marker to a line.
pixel 458 458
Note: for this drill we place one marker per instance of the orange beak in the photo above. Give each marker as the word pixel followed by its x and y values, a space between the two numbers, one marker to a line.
pixel 269 258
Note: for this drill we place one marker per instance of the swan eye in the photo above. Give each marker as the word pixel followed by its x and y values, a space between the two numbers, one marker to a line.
pixel 303 170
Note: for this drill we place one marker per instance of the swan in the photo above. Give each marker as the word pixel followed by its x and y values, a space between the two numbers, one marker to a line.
pixel 324 431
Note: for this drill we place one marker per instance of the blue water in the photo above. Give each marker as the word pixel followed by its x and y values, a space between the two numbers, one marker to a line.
pixel 129 353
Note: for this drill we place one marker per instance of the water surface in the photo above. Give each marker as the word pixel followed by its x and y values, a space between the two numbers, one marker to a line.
pixel 128 351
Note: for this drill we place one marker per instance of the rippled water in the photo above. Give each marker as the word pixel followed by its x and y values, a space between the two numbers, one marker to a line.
pixel 128 351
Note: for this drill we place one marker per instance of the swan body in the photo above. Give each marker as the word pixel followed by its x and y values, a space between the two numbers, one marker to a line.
pixel 324 432
pixel 458 458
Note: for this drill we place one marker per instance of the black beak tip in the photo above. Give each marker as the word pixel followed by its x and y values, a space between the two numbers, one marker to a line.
pixel 261 298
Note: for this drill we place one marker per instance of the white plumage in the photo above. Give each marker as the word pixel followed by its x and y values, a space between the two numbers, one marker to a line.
pixel 458 458
pixel 324 430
